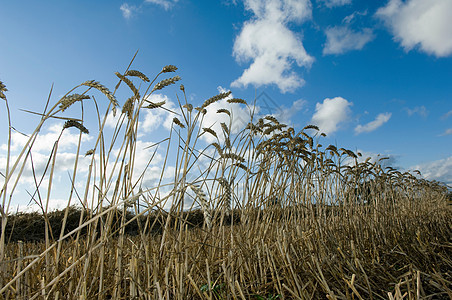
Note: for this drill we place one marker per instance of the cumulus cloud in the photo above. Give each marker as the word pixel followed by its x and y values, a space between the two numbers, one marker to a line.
pixel 166 4
pixel 240 117
pixel 112 119
pixel 334 3
pixel 40 162
pixel 420 23
pixel 331 113
pixel 440 170
pixel 128 10
pixel 285 114
pixel 418 110
pixel 271 46
pixel 37 167
pixel 265 105
pixel 371 126
pixel 148 164
pixel 340 39
pixel 46 141
pixel 154 118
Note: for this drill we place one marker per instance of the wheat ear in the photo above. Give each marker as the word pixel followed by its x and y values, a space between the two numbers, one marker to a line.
pixel 204 204
pixel 227 195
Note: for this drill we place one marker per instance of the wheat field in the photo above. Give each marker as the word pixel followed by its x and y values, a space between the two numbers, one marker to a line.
pixel 278 215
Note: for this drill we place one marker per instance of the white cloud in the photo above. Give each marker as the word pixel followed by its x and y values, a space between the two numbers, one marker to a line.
pixel 387 160
pixel 420 110
pixel 371 126
pixel 284 114
pixel 150 160
pixel 154 118
pixel 298 104
pixel 166 4
pixel 352 17
pixel 112 120
pixel 54 204
pixel 440 170
pixel 280 10
pixel 240 117
pixel 340 39
pixel 334 3
pixel 66 157
pixel 447 132
pixel 42 162
pixel 447 115
pixel 271 46
pixel 38 172
pixel 151 119
pixel 45 141
pixel 331 113
pixel 128 10
pixel 420 23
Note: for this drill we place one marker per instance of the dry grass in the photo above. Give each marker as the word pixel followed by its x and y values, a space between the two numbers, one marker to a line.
pixel 283 217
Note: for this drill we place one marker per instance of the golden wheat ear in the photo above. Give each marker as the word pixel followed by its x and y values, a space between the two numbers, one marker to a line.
pixel 128 107
pixel 215 99
pixel 237 100
pixel 227 195
pixel 178 122
pixel 224 110
pixel 67 101
pixel 202 198
pixel 166 82
pixel 130 84
pixel 79 126
pixel 211 131
pixel 103 90
pixel 315 127
pixel 138 74
pixel 3 89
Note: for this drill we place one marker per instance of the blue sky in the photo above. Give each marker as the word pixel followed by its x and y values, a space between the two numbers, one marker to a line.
pixel 374 75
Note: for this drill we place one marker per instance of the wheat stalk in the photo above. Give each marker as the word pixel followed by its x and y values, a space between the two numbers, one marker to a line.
pixel 328 215
pixel 227 195
pixel 202 198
